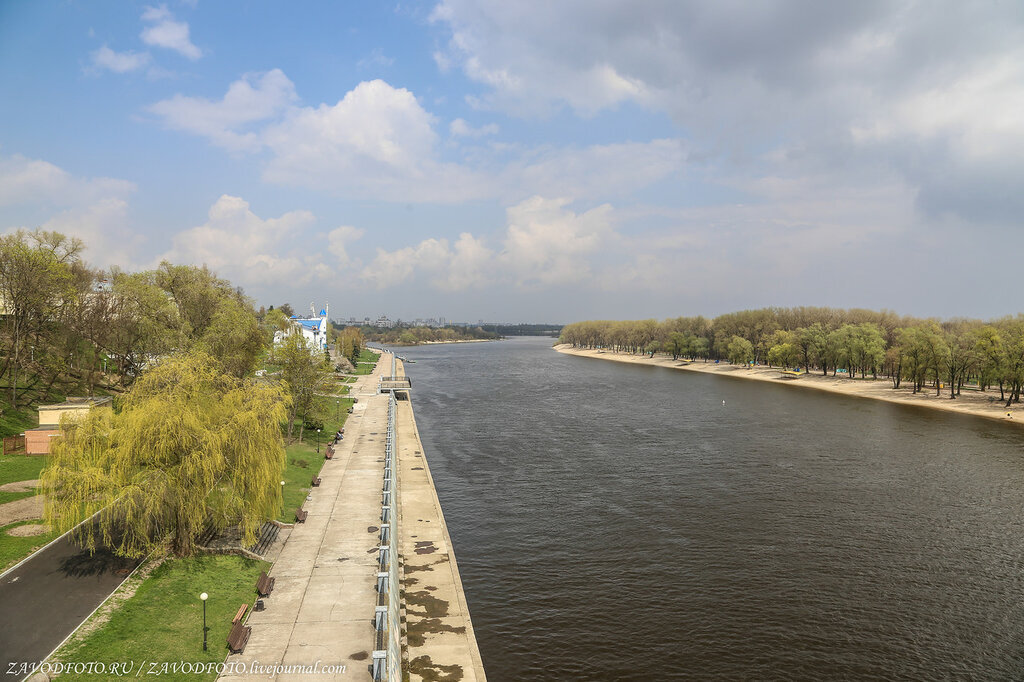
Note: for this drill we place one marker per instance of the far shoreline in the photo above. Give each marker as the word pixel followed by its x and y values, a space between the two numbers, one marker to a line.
pixel 971 403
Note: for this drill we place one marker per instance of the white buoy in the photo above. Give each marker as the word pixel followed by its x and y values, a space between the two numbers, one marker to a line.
pixel 723 402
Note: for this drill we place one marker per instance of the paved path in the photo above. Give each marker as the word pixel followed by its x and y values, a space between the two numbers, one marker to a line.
pixel 47 597
pixel 323 602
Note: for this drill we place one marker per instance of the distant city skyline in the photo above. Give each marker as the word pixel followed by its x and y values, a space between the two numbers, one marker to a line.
pixel 530 160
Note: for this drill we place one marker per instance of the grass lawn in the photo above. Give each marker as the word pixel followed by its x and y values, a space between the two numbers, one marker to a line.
pixel 163 620
pixel 19 468
pixel 13 549
pixel 366 356
pixel 302 464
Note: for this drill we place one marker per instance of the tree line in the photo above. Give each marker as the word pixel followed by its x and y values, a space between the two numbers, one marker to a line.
pixel 921 352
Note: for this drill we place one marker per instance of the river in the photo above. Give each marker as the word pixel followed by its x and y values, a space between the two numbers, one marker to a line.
pixel 621 522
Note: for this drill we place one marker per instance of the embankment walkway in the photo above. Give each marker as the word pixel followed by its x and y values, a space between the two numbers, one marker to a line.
pixel 322 606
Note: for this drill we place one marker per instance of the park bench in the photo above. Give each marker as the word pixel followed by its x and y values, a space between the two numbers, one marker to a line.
pixel 240 615
pixel 265 584
pixel 238 637
pixel 315 482
pixel 329 452
pixel 300 515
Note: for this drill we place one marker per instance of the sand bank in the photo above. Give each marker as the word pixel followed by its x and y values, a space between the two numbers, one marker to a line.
pixel 970 402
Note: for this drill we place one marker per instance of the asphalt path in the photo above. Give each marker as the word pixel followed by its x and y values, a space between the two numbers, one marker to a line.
pixel 43 600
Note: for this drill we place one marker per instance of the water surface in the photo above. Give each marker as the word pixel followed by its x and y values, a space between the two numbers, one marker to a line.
pixel 618 522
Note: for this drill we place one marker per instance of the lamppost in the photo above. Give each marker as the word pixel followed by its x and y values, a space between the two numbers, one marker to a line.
pixel 318 441
pixel 337 410
pixel 204 597
pixel 282 494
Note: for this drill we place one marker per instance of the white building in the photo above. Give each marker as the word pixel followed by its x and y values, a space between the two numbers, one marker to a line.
pixel 313 329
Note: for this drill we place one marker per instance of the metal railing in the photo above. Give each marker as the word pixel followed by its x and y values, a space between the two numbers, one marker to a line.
pixel 387 654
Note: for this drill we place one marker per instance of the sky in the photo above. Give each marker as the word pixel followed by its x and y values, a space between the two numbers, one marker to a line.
pixel 530 161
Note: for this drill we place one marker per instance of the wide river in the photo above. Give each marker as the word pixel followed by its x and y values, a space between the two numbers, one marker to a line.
pixel 620 522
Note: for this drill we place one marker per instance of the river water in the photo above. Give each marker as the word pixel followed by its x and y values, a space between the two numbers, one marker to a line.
pixel 618 522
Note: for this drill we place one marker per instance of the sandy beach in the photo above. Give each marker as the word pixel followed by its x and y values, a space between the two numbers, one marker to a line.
pixel 970 402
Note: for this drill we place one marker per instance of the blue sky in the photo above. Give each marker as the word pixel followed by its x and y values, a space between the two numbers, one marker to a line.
pixel 530 161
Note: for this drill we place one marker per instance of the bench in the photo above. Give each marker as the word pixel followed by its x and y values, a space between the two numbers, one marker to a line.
pixel 240 615
pixel 265 584
pixel 300 515
pixel 238 637
pixel 315 482
pixel 329 452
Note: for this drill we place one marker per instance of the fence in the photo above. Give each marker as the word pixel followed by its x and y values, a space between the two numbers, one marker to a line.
pixel 387 655
pixel 14 445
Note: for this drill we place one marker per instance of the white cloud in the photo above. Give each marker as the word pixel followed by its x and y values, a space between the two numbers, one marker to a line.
pixel 164 31
pixel 119 62
pixel 377 142
pixel 252 99
pixel 543 244
pixel 459 128
pixel 548 244
pixel 338 241
pixel 249 250
pixel 32 181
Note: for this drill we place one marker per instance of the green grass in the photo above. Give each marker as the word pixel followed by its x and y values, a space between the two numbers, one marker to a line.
pixel 163 620
pixel 19 468
pixel 302 464
pixel 14 549
pixel 366 356
pixel 13 422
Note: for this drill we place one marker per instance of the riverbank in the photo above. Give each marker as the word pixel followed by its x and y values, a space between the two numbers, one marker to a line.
pixel 974 403
pixel 440 640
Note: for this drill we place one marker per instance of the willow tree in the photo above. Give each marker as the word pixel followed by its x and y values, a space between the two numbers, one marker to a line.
pixel 188 446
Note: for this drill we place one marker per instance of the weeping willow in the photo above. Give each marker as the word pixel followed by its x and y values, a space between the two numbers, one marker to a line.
pixel 188 446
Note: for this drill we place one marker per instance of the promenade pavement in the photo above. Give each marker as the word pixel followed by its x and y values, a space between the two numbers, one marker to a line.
pixel 322 607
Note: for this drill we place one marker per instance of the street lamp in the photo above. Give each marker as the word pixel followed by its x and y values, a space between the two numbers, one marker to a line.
pixel 318 441
pixel 204 597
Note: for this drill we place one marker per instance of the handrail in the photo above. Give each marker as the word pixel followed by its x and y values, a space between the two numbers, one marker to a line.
pixel 387 654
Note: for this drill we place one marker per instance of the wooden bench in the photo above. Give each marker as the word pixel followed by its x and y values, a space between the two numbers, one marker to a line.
pixel 265 584
pixel 238 637
pixel 315 482
pixel 240 615
pixel 300 515
pixel 329 452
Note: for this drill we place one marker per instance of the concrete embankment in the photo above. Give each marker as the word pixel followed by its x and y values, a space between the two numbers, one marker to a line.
pixel 319 622
pixel 440 641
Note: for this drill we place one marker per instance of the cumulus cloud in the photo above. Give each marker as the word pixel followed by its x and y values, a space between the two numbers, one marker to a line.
pixel 543 243
pixel 250 250
pixel 119 62
pixel 36 193
pixel 33 181
pixel 163 31
pixel 376 142
pixel 856 89
pixel 252 99
pixel 338 241
pixel 459 128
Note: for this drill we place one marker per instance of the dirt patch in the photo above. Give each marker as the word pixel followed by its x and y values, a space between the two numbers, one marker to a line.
pixel 29 530
pixel 412 568
pixel 425 547
pixel 433 672
pixel 27 509
pixel 19 486
pixel 359 656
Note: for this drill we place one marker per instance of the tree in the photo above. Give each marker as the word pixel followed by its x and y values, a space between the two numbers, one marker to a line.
pixel 190 445
pixel 36 284
pixel 741 351
pixel 306 376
